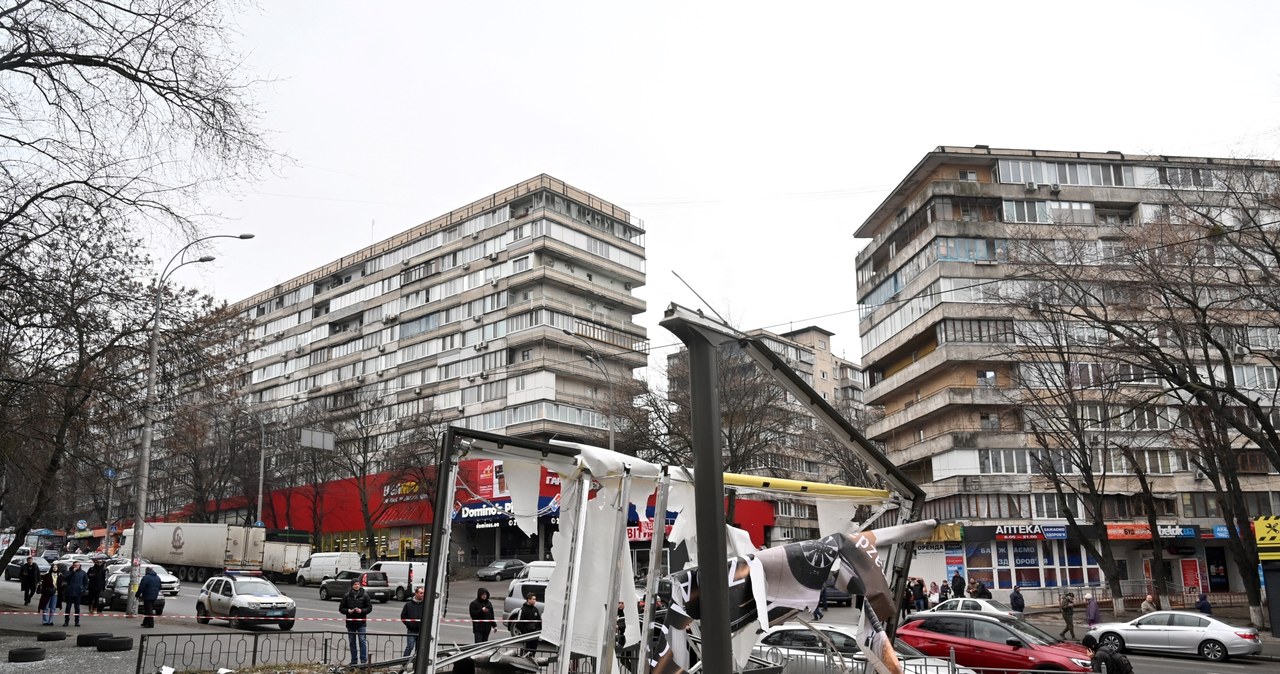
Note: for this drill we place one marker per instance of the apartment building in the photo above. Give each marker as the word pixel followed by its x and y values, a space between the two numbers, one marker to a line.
pixel 483 317
pixel 940 359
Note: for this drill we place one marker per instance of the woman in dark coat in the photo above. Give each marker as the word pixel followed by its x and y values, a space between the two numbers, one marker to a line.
pixel 482 620
pixel 97 583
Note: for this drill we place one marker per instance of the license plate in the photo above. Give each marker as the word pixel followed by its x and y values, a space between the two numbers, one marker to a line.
pixel 274 614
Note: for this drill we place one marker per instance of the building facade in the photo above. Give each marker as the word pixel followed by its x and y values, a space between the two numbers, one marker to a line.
pixel 941 356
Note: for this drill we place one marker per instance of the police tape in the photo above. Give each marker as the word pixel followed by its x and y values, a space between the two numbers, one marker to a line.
pixel 274 619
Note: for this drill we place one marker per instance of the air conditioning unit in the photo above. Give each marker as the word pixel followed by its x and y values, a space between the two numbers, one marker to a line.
pixel 300 349
pixel 405 262
pixel 477 318
pixel 472 378
pixel 551 263
pixel 288 375
pixel 475 234
pixel 296 397
pixel 380 373
pixel 1241 350
pixel 626 286
pixel 391 318
pixel 1032 186
pixel 382 347
pixel 359 379
pixel 1199 474
pixel 417 390
pixel 482 346
pixel 466 266
pixel 1036 305
pixel 1055 188
pixel 484 375
pixel 493 257
pixel 494 283
pixel 462 408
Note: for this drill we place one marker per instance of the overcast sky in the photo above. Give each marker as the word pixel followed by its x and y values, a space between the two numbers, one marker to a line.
pixel 751 138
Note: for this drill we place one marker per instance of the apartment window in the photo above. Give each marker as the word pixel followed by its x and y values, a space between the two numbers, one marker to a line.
pixel 989 421
pixel 1052 506
pixel 822 344
pixel 969 176
pixel 824 374
pixel 520 264
pixel 919 435
pixel 1199 504
pixel 1178 176
pixel 987 378
pixel 526 355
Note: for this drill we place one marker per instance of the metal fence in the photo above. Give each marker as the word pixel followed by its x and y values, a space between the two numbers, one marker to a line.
pixel 234 650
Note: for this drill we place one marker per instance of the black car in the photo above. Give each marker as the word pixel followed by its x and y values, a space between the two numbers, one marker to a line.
pixel 837 596
pixel 15 566
pixel 115 597
pixel 374 582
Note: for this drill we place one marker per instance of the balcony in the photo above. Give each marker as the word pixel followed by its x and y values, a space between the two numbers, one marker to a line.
pixel 918 410
pixel 947 353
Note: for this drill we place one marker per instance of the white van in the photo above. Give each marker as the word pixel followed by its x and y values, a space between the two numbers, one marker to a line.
pixel 398 576
pixel 325 565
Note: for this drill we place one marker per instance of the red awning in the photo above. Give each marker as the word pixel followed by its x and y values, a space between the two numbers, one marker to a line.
pixel 408 513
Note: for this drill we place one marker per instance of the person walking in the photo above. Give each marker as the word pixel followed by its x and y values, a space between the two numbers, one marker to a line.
pixel 48 597
pixel 97 583
pixel 1203 605
pixel 1017 602
pixel 957 586
pixel 918 595
pixel 944 592
pixel 822 602
pixel 1092 612
pixel 411 616
pixel 1105 657
pixel 148 593
pixel 357 606
pixel 77 584
pixel 1068 606
pixel 526 619
pixel 482 621
pixel 1148 605
pixel 29 576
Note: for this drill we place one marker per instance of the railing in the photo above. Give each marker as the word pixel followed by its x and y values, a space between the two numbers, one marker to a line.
pixel 235 650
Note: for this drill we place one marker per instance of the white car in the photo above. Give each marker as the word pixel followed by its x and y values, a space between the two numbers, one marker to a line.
pixel 979 605
pixel 532 578
pixel 169 583
pixel 803 650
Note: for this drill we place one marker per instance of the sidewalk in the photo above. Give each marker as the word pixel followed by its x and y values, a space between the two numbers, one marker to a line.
pixel 1050 619
pixel 20 624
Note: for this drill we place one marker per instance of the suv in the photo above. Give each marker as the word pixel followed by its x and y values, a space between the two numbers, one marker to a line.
pixel 243 599
pixel 532 578
pixel 375 583
pixel 993 642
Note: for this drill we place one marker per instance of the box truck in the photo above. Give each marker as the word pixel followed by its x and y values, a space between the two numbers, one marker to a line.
pixel 193 551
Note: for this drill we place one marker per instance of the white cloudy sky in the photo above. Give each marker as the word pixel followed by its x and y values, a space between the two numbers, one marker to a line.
pixel 751 138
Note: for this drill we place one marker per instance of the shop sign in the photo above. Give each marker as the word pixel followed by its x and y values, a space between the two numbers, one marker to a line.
pixel 1136 531
pixel 485 511
pixel 1015 532
pixel 493 524
pixel 401 492
pixel 1178 531
pixel 643 532
pixel 1055 533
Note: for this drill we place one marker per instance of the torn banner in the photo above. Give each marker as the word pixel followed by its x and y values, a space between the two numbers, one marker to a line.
pixel 789 578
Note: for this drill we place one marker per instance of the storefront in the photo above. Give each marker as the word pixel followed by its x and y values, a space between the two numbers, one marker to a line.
pixel 1026 555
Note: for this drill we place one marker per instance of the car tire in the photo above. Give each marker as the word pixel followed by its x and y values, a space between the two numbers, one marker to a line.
pixel 201 575
pixel 1213 651
pixel 202 616
pixel 1112 639
pixel 115 644
pixel 324 594
pixel 51 636
pixel 286 626
pixel 300 581
pixel 91 638
pixel 235 621
pixel 400 594
pixel 26 654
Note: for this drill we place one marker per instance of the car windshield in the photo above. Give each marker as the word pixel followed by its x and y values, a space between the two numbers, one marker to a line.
pixel 904 648
pixel 1032 634
pixel 259 588
pixel 999 606
pixel 375 577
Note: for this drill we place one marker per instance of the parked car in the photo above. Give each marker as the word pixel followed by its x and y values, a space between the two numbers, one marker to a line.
pixel 374 582
pixel 991 641
pixel 1181 632
pixel 244 599
pixel 115 597
pixel 322 566
pixel 402 576
pixel 169 583
pixel 15 565
pixel 804 650
pixel 970 604
pixel 520 588
pixel 837 596
pixel 501 569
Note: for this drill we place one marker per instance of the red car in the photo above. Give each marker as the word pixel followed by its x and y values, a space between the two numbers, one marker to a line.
pixel 992 642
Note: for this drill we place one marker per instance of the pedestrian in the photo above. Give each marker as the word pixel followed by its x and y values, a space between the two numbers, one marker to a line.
pixel 148 592
pixel 1105 658
pixel 76 584
pixel 482 621
pixel 411 616
pixel 97 583
pixel 944 592
pixel 822 603
pixel 1092 612
pixel 980 590
pixel 462 557
pixel 1017 602
pixel 957 586
pixel 933 592
pixel 48 597
pixel 1148 605
pixel 906 602
pixel 1068 606
pixel 357 606
pixel 475 556
pixel 29 575
pixel 525 620
pixel 918 595
pixel 1203 605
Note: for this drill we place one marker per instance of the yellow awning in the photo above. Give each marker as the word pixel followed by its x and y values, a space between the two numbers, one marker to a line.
pixel 805 487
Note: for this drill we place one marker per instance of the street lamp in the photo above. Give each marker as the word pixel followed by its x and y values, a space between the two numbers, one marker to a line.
pixel 148 413
pixel 595 359
pixel 262 464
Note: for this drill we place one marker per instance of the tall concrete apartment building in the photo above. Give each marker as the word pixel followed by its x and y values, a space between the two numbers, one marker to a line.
pixel 482 317
pixel 937 361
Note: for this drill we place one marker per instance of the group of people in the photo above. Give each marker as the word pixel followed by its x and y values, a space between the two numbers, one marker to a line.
pixel 523 620
pixel 74 588
pixel 356 605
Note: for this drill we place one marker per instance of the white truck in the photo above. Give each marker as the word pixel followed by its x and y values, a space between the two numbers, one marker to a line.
pixel 194 551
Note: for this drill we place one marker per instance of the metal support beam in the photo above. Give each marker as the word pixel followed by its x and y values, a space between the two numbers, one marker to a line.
pixel 436 581
pixel 656 546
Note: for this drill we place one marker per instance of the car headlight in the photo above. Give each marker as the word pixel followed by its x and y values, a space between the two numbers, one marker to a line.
pixel 253 604
pixel 1082 663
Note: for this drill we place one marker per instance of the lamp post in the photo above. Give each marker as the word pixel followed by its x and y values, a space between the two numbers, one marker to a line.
pixel 594 359
pixel 148 412
pixel 262 465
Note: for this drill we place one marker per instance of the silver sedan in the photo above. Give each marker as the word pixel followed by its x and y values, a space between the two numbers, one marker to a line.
pixel 1181 632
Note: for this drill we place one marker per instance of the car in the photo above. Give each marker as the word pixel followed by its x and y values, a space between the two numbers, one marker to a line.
pixel 990 641
pixel 971 604
pixel 244 599
pixel 519 589
pixel 803 650
pixel 169 583
pixel 15 566
pixel 115 596
pixel 375 583
pixel 837 596
pixel 501 569
pixel 1180 632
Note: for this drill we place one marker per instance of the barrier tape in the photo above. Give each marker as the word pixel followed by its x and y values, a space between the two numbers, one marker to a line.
pixel 60 614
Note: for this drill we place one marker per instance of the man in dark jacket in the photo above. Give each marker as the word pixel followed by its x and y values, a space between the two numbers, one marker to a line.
pixel 957 586
pixel 357 606
pixel 148 593
pixel 29 575
pixel 526 619
pixel 411 616
pixel 482 621
pixel 77 584
pixel 1017 602
pixel 918 594
pixel 97 583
